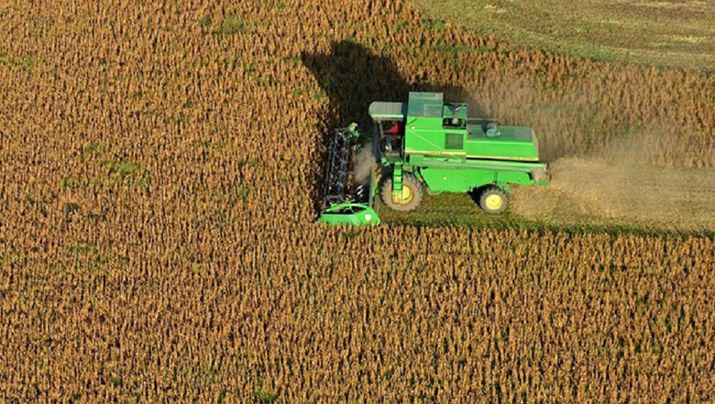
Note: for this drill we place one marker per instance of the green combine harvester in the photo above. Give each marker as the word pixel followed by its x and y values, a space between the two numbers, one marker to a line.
pixel 425 145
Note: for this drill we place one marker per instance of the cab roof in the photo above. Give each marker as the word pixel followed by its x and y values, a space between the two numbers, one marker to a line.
pixel 387 110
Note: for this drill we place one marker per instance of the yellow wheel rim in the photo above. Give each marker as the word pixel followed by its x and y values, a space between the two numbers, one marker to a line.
pixel 404 197
pixel 494 201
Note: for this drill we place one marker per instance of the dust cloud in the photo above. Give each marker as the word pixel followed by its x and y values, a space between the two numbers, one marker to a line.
pixel 617 186
pixel 362 164
pixel 606 170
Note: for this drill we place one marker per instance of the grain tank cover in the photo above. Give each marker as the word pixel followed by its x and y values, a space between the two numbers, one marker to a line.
pixel 425 105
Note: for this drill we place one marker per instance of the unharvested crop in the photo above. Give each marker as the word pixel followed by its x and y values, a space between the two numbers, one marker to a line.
pixel 159 169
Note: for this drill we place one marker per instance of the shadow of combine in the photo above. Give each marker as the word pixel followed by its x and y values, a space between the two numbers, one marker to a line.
pixel 353 77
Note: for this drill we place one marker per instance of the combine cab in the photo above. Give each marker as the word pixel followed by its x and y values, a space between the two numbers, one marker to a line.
pixel 427 145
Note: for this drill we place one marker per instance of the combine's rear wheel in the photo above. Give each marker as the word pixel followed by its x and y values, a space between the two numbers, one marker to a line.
pixel 493 200
pixel 411 193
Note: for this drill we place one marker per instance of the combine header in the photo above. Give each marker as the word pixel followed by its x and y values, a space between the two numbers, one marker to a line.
pixel 345 202
pixel 425 145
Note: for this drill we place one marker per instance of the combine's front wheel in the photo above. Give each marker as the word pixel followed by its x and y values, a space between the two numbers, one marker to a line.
pixel 493 200
pixel 411 193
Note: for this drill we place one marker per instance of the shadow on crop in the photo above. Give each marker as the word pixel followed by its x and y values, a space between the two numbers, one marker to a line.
pixel 352 77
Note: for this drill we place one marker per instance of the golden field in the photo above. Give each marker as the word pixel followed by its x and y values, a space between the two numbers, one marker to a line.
pixel 159 172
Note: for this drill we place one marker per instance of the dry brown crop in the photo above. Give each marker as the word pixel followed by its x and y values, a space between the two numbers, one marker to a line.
pixel 159 166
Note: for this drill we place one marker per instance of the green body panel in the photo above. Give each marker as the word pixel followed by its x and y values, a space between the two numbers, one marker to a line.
pixel 467 163
pixel 456 180
pixel 355 214
pixel 435 128
pixel 513 143
pixel 429 138
pixel 426 136
pixel 451 174
pixel 452 153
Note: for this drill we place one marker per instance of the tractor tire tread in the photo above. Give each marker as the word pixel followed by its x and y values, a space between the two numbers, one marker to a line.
pixel 415 185
pixel 491 190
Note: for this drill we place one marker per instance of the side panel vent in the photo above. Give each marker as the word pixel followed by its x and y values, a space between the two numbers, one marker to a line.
pixel 454 141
